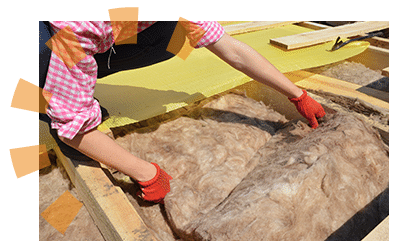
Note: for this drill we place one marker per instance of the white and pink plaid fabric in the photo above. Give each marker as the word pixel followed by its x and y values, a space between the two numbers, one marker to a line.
pixel 214 32
pixel 72 107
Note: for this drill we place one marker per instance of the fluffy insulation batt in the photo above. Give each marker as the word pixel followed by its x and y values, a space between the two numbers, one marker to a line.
pixel 305 186
pixel 241 171
pixel 206 153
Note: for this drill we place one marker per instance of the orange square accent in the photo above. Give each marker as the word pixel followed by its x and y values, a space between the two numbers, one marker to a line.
pixel 24 97
pixel 44 100
pixel 62 212
pixel 178 41
pixel 124 32
pixel 185 37
pixel 67 47
pixel 25 160
pixel 194 31
pixel 124 14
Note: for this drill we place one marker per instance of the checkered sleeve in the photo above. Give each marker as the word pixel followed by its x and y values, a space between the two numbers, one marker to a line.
pixel 72 108
pixel 212 30
pixel 72 74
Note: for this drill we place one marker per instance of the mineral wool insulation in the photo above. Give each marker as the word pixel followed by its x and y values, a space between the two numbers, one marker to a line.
pixel 241 171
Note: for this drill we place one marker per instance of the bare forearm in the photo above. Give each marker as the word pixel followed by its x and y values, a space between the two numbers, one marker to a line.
pixel 102 148
pixel 245 59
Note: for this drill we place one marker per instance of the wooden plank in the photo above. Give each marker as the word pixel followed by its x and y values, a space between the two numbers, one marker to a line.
pixel 373 57
pixel 313 81
pixel 379 42
pixel 109 207
pixel 385 72
pixel 329 34
pixel 255 26
pixel 380 233
pixel 226 23
pixel 312 25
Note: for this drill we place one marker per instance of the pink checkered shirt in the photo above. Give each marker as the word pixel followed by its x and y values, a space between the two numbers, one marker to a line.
pixel 72 107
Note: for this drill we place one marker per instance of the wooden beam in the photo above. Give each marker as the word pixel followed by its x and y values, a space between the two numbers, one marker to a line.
pixel 236 29
pixel 379 42
pixel 329 34
pixel 109 207
pixel 373 57
pixel 374 41
pixel 317 82
pixel 313 26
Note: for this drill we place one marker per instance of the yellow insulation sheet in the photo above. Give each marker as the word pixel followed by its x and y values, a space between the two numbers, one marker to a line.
pixel 139 94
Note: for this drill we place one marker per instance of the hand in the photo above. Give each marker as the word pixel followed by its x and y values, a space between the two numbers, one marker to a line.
pixel 157 188
pixel 308 108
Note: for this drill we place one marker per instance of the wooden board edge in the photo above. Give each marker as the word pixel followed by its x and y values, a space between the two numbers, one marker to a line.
pixel 385 72
pixel 285 42
pixel 242 28
pixel 374 41
pixel 380 232
pixel 373 57
pixel 313 81
pixel 109 207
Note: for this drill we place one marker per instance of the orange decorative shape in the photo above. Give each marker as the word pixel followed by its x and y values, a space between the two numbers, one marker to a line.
pixel 124 14
pixel 67 47
pixel 185 37
pixel 44 100
pixel 179 41
pixel 194 31
pixel 29 159
pixel 124 23
pixel 25 97
pixel 44 160
pixel 62 212
pixel 124 32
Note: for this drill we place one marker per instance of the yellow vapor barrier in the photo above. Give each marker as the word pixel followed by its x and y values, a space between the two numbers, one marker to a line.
pixel 135 95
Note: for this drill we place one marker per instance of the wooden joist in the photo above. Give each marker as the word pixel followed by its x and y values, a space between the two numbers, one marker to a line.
pixel 373 57
pixel 376 98
pixel 107 204
pixel 329 34
pixel 379 42
pixel 235 29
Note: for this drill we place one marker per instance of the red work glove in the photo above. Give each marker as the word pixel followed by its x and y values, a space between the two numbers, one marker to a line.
pixel 155 189
pixel 308 108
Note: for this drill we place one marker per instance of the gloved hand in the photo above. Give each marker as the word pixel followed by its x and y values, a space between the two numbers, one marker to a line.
pixel 155 189
pixel 308 108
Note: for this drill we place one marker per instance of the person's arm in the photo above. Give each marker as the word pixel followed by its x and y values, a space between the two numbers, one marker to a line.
pixel 102 148
pixel 75 114
pixel 247 60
